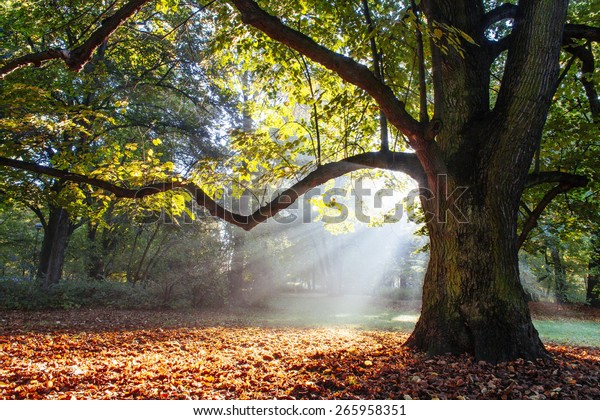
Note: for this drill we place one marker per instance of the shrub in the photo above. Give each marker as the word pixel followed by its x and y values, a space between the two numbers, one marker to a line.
pixel 24 295
pixel 29 295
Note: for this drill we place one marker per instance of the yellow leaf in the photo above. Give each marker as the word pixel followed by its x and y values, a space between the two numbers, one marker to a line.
pixel 468 38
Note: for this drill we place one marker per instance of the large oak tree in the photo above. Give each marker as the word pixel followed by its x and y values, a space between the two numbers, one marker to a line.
pixel 472 150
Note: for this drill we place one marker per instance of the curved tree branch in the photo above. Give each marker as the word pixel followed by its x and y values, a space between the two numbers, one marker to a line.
pixel 348 69
pixel 77 57
pixel 39 214
pixel 420 136
pixel 586 57
pixel 531 221
pixel 578 31
pixel 565 181
pixel 571 31
pixel 504 11
pixel 509 11
pixel 403 162
pixel 538 178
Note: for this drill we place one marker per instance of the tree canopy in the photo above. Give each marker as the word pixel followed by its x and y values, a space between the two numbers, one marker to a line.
pixel 482 103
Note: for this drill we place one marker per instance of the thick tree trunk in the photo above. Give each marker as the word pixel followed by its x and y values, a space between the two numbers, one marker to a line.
pixel 473 301
pixel 54 246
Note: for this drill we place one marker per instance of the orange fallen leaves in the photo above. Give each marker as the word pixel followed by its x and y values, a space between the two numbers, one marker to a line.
pixel 166 355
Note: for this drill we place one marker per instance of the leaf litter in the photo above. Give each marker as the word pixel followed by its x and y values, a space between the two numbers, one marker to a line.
pixel 103 354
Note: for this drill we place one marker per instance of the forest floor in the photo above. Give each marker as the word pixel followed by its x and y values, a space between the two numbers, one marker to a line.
pixel 262 354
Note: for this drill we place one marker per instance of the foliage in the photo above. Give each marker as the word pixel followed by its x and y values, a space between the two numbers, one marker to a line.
pixel 115 120
pixel 65 295
pixel 18 241
pixel 176 94
pixel 570 144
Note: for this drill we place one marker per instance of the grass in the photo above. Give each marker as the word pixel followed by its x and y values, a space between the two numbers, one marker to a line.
pixel 364 312
pixel 312 310
pixel 568 331
pixel 569 325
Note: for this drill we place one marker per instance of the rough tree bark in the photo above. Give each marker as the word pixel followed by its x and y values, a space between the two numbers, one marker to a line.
pixel 473 300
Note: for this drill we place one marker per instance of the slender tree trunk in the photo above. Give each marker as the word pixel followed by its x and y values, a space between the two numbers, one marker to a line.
pixel 130 277
pixel 140 265
pixel 54 246
pixel 560 275
pixel 237 266
pixel 95 263
pixel 593 279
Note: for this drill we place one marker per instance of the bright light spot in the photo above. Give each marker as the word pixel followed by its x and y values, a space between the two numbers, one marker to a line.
pixel 336 271
pixel 406 318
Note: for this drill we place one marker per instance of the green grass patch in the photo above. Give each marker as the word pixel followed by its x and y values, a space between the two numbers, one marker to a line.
pixel 366 312
pixel 315 310
pixel 567 331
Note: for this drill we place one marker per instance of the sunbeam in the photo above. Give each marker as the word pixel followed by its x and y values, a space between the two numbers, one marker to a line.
pixel 354 260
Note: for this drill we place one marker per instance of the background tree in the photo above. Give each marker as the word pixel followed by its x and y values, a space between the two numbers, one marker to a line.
pixel 94 120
